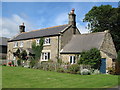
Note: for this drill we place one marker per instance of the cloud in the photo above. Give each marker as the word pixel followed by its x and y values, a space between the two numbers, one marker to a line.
pixel 61 19
pixel 10 26
pixel 82 28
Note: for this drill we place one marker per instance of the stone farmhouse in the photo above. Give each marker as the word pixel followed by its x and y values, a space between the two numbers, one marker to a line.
pixel 65 42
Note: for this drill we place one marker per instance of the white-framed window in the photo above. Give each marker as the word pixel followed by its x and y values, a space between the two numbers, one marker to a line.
pixel 72 59
pixel 37 41
pixel 21 44
pixel 15 44
pixel 47 41
pixel 45 56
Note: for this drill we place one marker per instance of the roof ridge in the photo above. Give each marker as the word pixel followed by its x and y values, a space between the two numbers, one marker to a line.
pixel 89 33
pixel 44 28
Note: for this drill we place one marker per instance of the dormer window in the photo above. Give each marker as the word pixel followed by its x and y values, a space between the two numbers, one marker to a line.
pixel 47 41
pixel 37 41
pixel 15 44
pixel 21 44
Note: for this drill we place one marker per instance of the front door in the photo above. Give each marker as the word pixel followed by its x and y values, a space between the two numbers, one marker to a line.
pixel 103 65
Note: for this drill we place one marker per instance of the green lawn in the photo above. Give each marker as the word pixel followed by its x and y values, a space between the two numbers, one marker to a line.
pixel 19 77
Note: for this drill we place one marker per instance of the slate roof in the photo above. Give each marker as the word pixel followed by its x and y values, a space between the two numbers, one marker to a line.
pixel 84 42
pixel 40 33
pixel 3 41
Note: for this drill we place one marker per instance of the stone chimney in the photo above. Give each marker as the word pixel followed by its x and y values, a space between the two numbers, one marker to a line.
pixel 22 28
pixel 72 20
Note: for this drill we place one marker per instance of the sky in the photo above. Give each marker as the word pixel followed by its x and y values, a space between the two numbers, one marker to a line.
pixel 37 15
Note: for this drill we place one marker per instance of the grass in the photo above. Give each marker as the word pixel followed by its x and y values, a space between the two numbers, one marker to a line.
pixel 19 77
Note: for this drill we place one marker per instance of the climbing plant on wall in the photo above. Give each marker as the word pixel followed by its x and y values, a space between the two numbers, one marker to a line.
pixel 37 49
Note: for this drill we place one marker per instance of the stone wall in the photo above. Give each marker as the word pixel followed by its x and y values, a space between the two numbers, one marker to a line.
pixel 109 61
pixel 52 48
pixel 108 45
pixel 66 57
pixel 67 35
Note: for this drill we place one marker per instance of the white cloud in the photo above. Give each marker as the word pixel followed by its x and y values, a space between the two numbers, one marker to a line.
pixel 82 28
pixel 61 19
pixel 10 26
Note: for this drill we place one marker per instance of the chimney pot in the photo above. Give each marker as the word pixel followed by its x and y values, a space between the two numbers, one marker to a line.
pixel 72 11
pixel 22 28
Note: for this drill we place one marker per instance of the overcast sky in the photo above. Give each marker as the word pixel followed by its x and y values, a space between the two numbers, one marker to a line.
pixel 37 15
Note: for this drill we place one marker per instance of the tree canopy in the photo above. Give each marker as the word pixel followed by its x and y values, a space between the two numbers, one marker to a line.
pixel 105 17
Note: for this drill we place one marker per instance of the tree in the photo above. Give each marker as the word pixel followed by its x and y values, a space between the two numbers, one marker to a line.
pixel 117 66
pixel 91 57
pixel 105 17
pixel 17 54
pixel 23 55
pixel 37 49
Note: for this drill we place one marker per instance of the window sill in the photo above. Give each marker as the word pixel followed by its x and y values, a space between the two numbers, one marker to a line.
pixel 44 60
pixel 21 46
pixel 46 44
pixel 15 47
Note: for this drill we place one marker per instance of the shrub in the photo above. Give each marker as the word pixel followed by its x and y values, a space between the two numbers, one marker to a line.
pixel 4 64
pixel 117 66
pixel 111 70
pixel 12 63
pixel 78 72
pixel 32 63
pixel 91 57
pixel 60 70
pixel 59 61
pixel 9 63
pixel 19 62
pixel 74 68
pixel 85 72
pixel 96 71
pixel 23 55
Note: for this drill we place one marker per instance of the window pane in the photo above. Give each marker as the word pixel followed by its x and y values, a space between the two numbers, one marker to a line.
pixel 42 56
pixel 49 40
pixel 70 59
pixel 73 59
pixel 48 55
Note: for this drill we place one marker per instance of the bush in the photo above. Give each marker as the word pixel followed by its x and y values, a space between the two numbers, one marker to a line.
pixel 117 66
pixel 96 71
pixel 91 57
pixel 12 63
pixel 19 62
pixel 85 72
pixel 4 64
pixel 74 68
pixel 59 61
pixel 60 70
pixel 9 63
pixel 32 63
pixel 111 70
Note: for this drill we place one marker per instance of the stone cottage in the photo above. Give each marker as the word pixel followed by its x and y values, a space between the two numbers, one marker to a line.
pixel 64 41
